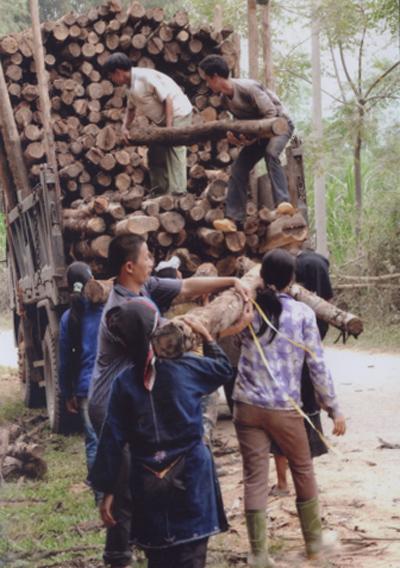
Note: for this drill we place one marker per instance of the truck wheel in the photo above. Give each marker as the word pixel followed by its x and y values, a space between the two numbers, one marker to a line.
pixel 54 401
pixel 32 395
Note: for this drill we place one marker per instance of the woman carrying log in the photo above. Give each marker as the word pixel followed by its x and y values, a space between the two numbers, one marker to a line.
pixel 262 409
pixel 79 327
pixel 155 407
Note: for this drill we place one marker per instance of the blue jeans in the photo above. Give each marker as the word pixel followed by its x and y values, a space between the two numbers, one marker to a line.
pixel 248 157
pixel 91 440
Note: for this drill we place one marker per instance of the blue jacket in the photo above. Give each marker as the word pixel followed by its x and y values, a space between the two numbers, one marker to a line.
pixel 175 491
pixel 69 382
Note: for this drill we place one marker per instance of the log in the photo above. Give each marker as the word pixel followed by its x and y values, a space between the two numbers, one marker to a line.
pixel 172 222
pixel 214 130
pixel 97 291
pixel 4 438
pixel 25 451
pixel 140 224
pixel 11 141
pixel 285 231
pixel 174 338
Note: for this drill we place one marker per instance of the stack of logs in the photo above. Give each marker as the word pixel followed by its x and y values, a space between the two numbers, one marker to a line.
pixel 104 184
pixel 19 455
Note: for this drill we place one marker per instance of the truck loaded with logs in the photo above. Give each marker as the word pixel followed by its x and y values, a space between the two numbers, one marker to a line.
pixel 69 184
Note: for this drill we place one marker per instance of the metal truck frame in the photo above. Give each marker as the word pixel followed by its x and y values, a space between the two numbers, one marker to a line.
pixel 38 294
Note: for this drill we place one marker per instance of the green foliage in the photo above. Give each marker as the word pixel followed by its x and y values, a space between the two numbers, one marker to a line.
pixel 14 16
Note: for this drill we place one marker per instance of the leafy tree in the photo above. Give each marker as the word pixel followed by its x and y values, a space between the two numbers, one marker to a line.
pixel 14 16
pixel 350 30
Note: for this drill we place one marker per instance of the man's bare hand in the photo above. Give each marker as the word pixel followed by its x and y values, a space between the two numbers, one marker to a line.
pixel 243 291
pixel 125 135
pixel 242 140
pixel 105 510
pixel 72 405
pixel 339 425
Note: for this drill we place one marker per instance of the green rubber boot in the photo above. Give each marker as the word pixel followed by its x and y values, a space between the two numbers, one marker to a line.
pixel 311 526
pixel 257 532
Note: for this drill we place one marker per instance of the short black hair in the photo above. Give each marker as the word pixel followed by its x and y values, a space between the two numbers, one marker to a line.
pixel 124 248
pixel 215 64
pixel 116 61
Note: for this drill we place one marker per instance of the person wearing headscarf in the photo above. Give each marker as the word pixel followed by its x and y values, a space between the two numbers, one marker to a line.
pixel 269 375
pixel 79 327
pixel 155 407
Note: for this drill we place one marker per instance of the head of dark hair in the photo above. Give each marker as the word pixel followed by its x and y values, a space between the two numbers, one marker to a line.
pixel 277 268
pixel 116 61
pixel 122 249
pixel 277 271
pixel 215 64
pixel 78 274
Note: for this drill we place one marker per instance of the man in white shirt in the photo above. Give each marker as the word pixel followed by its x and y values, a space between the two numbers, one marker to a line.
pixel 163 102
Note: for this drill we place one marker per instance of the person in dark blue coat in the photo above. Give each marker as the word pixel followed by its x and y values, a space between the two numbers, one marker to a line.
pixel 79 328
pixel 155 406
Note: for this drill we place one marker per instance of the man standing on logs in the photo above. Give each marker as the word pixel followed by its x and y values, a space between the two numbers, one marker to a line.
pixel 163 102
pixel 247 99
pixel 130 261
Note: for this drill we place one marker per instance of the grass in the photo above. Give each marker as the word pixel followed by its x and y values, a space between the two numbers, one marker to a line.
pixel 57 513
pixel 46 514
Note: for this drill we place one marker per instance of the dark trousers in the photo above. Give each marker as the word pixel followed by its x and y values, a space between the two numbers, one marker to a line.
pixel 117 551
pixel 188 555
pixel 248 157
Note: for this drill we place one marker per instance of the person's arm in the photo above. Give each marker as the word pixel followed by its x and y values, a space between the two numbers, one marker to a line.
pixel 263 103
pixel 105 510
pixel 130 114
pixel 319 372
pixel 169 111
pixel 245 319
pixel 239 141
pixel 199 286
pixel 64 362
pixel 104 472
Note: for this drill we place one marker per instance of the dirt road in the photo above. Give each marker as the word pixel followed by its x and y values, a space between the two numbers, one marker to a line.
pixel 359 490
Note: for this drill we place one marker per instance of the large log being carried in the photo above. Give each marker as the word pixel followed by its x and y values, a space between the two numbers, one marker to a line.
pixel 175 337
pixel 214 130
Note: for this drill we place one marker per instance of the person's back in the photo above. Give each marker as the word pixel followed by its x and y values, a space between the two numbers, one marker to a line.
pixel 176 502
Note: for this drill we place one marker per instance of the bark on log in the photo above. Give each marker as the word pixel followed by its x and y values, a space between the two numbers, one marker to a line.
pixel 140 224
pixel 97 291
pixel 175 337
pixel 25 451
pixel 4 438
pixel 214 130
pixel 285 232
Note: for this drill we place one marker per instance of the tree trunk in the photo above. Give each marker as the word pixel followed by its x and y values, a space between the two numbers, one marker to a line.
pixel 174 337
pixel 216 129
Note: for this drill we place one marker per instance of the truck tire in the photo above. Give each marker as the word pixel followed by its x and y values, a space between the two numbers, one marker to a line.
pixel 54 401
pixel 32 395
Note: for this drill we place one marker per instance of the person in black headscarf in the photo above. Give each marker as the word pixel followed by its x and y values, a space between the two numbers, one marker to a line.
pixel 155 407
pixel 79 327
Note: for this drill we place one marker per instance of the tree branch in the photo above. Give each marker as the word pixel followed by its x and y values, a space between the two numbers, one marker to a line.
pixel 346 72
pixel 377 81
pixel 310 83
pixel 337 73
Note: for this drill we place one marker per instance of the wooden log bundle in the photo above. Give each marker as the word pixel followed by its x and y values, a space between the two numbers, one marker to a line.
pixel 104 184
pixel 175 337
